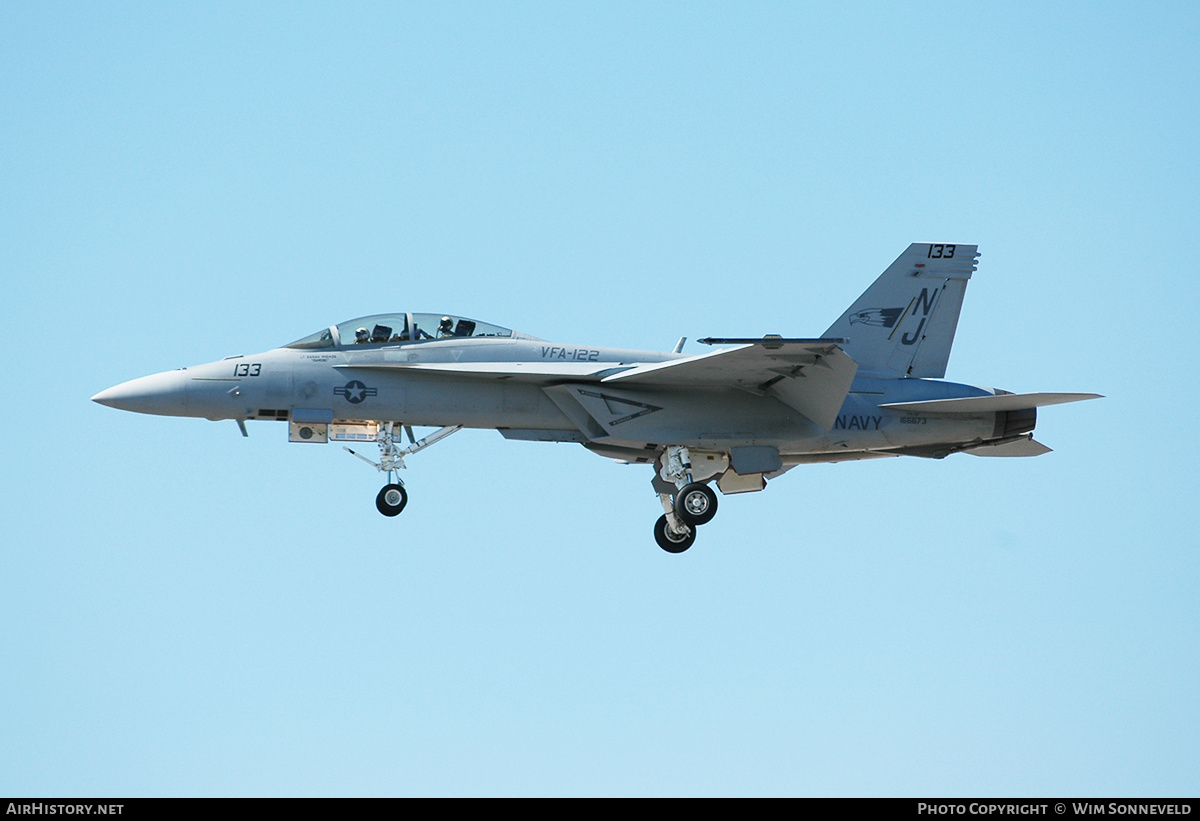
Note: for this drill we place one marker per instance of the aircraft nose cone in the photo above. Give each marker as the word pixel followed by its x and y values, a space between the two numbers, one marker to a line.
pixel 164 394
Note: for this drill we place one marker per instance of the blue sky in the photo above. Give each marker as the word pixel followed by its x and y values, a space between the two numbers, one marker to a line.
pixel 184 612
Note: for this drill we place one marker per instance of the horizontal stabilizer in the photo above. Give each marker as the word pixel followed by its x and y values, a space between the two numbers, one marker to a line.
pixel 1024 446
pixel 990 404
pixel 812 376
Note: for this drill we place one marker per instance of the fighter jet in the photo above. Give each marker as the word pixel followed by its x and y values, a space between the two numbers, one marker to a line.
pixel 736 417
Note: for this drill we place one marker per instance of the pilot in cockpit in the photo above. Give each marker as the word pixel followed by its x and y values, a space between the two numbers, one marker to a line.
pixel 445 327
pixel 362 336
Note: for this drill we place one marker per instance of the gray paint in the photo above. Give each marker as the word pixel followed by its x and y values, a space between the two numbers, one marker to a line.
pixel 762 405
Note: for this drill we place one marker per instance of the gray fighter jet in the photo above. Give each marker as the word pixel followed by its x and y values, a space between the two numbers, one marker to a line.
pixel 733 417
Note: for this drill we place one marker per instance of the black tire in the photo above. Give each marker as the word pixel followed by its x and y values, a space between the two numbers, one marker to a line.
pixel 696 504
pixel 668 541
pixel 391 500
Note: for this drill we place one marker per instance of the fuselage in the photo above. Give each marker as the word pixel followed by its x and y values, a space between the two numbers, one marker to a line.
pixel 446 381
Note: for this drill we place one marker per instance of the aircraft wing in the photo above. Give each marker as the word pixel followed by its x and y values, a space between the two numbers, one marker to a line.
pixel 991 404
pixel 812 376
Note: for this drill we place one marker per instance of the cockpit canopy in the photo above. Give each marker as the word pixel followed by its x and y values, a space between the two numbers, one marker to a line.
pixel 394 329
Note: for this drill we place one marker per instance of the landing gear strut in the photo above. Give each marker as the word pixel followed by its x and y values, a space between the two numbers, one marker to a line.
pixel 686 503
pixel 392 499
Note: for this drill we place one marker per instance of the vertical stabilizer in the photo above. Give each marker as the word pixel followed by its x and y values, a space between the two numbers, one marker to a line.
pixel 903 325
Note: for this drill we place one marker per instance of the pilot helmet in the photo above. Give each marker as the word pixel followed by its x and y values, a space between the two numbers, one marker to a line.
pixel 445 324
pixel 361 335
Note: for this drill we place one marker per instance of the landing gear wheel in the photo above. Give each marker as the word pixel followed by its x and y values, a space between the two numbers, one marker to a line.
pixel 391 500
pixel 696 504
pixel 668 540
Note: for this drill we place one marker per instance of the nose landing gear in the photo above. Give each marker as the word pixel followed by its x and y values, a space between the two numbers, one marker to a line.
pixel 393 497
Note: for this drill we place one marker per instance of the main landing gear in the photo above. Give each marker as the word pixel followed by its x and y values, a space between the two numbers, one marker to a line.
pixel 393 497
pixel 686 503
